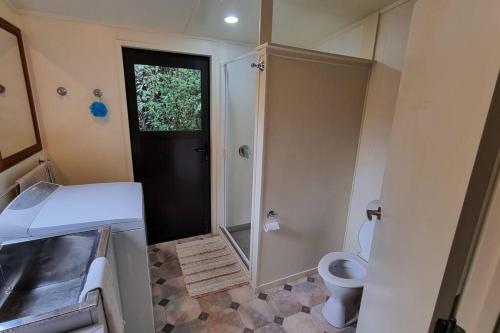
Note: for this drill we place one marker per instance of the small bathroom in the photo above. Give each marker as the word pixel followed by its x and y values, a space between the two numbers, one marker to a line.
pixel 249 166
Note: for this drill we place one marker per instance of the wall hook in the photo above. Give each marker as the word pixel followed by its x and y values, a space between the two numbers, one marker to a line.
pixel 61 91
pixel 98 93
pixel 98 108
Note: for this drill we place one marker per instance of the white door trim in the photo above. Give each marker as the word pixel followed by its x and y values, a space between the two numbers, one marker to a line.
pixel 257 170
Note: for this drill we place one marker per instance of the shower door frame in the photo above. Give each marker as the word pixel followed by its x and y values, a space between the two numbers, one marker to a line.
pixel 224 137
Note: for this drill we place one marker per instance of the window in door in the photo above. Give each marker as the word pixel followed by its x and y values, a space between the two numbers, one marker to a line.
pixel 168 98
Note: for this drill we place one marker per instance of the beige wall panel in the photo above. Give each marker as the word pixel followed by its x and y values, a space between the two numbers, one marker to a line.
pixel 357 40
pixel 312 122
pixel 381 99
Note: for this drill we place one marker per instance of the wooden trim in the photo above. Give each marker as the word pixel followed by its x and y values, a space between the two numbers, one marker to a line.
pixel 273 49
pixel 266 21
pixel 13 159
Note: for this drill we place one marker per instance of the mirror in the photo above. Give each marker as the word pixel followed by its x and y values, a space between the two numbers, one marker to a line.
pixel 19 134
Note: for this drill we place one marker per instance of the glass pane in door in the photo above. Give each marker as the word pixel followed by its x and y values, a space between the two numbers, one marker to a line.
pixel 240 121
pixel 168 98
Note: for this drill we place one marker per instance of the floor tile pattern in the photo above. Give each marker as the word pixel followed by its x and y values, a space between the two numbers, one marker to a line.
pixel 292 308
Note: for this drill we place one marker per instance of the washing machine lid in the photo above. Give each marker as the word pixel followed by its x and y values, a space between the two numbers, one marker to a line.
pixel 84 206
pixel 18 216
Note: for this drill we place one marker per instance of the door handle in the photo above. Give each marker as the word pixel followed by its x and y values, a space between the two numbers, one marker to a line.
pixel 204 151
pixel 244 151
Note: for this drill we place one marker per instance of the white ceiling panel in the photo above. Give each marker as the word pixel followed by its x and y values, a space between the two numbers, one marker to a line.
pixel 169 15
pixel 208 20
pixel 296 22
pixel 305 22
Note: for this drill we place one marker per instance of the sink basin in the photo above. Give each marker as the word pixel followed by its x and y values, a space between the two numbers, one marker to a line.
pixel 43 276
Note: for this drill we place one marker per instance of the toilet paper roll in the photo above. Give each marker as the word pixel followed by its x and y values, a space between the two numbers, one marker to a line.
pixel 271 226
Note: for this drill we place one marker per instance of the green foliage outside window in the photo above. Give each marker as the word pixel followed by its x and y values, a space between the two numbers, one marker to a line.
pixel 168 98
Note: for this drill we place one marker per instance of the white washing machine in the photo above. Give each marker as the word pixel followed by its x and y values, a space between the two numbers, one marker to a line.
pixel 50 209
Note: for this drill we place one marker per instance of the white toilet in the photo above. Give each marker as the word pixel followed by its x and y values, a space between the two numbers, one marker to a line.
pixel 344 275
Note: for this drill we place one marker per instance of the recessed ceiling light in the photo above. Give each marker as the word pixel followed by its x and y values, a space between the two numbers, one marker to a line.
pixel 231 19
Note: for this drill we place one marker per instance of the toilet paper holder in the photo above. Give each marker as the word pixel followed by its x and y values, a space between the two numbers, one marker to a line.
pixel 272 223
pixel 271 214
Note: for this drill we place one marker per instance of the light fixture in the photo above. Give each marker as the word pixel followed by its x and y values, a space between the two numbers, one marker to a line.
pixel 231 19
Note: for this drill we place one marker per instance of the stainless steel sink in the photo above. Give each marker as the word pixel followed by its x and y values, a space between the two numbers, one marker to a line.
pixel 44 277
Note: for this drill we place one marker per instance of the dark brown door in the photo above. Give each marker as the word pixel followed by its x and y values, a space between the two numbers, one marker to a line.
pixel 169 118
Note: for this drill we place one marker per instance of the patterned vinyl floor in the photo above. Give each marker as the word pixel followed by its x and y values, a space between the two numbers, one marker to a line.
pixel 294 307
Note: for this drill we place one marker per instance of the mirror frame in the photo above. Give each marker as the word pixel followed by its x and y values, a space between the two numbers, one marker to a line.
pixel 21 155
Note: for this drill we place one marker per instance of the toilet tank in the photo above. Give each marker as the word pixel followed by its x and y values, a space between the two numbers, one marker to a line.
pixel 365 234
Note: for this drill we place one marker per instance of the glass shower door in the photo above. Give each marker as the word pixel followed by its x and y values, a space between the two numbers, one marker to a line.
pixel 241 86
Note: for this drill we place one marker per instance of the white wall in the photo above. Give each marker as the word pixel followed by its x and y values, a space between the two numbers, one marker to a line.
pixel 390 49
pixel 82 56
pixel 356 40
pixel 449 74
pixel 8 177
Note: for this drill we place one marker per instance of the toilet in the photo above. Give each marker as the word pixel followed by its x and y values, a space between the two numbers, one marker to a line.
pixel 344 275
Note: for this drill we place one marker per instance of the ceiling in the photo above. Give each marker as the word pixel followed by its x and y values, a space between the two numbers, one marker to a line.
pixel 304 23
pixel 296 22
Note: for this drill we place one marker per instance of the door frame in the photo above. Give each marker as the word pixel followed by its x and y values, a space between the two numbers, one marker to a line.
pixel 479 284
pixel 198 221
pixel 215 128
pixel 258 164
pixel 482 183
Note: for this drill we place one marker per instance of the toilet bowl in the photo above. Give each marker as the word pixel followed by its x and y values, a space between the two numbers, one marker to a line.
pixel 344 275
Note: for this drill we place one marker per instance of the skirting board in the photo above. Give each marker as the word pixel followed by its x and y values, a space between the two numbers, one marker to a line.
pixel 286 279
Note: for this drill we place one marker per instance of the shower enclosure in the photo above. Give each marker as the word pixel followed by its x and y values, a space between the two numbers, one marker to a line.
pixel 239 127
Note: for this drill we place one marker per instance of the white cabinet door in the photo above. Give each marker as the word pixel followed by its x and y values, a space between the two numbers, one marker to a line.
pixel 133 276
pixel 445 93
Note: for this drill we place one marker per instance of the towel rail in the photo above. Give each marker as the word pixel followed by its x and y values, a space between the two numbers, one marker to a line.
pixel 9 195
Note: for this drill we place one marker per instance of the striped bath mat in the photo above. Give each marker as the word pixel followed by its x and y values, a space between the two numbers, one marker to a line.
pixel 209 266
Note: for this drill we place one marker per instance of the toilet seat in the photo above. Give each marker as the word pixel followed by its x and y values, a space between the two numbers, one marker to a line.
pixel 344 275
pixel 357 266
